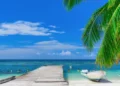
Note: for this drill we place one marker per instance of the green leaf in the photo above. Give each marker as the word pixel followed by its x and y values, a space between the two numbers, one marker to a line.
pixel 106 20
pixel 93 30
pixel 111 3
pixel 71 3
pixel 110 46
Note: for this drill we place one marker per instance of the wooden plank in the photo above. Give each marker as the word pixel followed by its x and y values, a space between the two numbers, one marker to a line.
pixel 43 76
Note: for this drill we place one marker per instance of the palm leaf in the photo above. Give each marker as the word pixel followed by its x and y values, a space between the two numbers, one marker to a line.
pixel 71 3
pixel 107 54
pixel 107 20
pixel 107 15
pixel 93 29
pixel 111 3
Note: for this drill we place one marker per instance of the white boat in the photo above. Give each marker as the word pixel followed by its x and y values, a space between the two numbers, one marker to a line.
pixel 94 75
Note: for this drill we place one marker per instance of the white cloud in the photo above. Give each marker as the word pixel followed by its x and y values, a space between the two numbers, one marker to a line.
pixel 25 28
pixel 82 29
pixel 65 53
pixel 55 45
pixel 54 31
pixel 52 26
pixel 53 53
pixel 51 48
pixel 93 54
pixel 62 53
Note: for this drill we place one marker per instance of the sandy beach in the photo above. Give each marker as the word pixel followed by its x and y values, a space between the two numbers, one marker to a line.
pixel 102 84
pixel 91 83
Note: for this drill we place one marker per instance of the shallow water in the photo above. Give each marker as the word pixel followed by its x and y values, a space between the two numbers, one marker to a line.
pixel 76 75
pixel 4 76
pixel 71 68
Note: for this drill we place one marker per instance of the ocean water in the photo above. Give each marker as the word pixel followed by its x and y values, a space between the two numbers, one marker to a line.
pixel 71 68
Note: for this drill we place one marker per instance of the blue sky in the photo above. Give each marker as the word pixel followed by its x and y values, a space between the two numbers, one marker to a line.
pixel 44 29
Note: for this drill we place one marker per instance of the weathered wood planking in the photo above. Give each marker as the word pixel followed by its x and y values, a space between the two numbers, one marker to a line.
pixel 43 76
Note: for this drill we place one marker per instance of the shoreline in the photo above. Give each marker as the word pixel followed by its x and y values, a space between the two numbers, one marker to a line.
pixel 52 76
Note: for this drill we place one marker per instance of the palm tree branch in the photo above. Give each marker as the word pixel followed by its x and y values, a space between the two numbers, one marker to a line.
pixel 93 29
pixel 69 4
pixel 111 3
pixel 108 50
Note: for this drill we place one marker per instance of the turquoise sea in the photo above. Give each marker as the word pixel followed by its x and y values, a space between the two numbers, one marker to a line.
pixel 71 68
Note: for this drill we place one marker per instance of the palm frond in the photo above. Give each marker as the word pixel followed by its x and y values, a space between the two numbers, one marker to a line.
pixel 93 29
pixel 117 37
pixel 107 20
pixel 111 3
pixel 107 15
pixel 69 4
pixel 110 46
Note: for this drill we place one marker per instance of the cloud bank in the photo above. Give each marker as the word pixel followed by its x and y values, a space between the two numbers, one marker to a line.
pixel 26 28
pixel 65 53
pixel 42 49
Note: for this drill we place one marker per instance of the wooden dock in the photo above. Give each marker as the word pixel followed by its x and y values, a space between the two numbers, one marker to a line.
pixel 43 76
